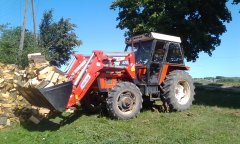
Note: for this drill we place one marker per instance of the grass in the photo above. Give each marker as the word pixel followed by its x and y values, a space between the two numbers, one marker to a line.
pixel 234 84
pixel 214 118
pixel 230 84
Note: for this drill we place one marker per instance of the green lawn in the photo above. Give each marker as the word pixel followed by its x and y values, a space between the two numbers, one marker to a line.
pixel 234 84
pixel 214 118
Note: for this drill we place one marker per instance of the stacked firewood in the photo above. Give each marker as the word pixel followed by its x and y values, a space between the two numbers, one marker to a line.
pixel 13 107
pixel 39 74
pixel 10 100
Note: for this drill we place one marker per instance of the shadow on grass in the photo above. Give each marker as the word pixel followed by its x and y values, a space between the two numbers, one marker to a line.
pixel 53 123
pixel 218 98
pixel 57 120
pixel 203 97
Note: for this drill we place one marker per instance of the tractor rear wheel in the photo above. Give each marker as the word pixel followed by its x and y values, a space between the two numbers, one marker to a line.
pixel 178 90
pixel 124 101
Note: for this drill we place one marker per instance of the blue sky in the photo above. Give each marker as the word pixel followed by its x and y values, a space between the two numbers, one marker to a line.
pixel 97 29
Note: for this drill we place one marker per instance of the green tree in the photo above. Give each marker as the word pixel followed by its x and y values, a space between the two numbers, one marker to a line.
pixel 58 38
pixel 9 45
pixel 199 23
pixel 236 1
pixel 2 27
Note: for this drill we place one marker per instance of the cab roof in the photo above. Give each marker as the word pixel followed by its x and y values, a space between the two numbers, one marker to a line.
pixel 152 36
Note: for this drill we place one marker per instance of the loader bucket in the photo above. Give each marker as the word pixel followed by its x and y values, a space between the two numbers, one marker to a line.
pixel 53 98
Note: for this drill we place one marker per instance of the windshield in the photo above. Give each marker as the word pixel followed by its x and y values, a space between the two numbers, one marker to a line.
pixel 142 51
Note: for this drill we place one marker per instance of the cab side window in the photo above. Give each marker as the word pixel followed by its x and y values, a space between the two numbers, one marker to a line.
pixel 174 54
pixel 159 52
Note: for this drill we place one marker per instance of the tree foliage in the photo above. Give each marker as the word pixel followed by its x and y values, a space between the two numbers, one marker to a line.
pixel 236 1
pixel 2 28
pixel 9 45
pixel 199 23
pixel 58 38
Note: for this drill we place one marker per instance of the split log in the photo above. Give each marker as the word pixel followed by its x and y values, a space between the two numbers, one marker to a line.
pixel 39 74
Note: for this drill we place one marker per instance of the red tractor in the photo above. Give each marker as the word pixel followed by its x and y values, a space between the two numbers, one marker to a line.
pixel 150 68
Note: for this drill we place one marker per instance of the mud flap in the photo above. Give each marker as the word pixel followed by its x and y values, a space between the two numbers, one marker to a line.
pixel 53 98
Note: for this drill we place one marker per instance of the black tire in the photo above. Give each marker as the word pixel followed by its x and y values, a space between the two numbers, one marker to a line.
pixel 124 101
pixel 178 90
pixel 92 103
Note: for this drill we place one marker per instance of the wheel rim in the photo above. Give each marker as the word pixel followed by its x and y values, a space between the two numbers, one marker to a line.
pixel 182 92
pixel 126 102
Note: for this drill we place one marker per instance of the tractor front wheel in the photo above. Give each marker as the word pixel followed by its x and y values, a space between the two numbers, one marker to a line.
pixel 124 101
pixel 178 90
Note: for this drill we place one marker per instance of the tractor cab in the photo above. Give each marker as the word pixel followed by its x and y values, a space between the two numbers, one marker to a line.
pixel 153 52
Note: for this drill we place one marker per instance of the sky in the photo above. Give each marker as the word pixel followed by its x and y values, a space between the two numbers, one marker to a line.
pixel 96 28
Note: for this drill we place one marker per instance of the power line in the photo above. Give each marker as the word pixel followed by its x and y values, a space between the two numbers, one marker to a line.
pixel 37 8
pixel 23 29
pixel 20 10
pixel 34 21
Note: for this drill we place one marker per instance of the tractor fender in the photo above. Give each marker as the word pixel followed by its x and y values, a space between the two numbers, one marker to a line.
pixel 167 68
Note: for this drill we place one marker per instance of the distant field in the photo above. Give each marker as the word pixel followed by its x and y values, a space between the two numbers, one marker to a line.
pixel 214 118
pixel 224 83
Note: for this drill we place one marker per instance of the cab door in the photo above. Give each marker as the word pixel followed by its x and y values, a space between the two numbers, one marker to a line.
pixel 174 59
pixel 156 63
pixel 164 55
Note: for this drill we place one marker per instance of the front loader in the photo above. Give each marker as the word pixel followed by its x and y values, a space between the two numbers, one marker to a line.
pixel 150 68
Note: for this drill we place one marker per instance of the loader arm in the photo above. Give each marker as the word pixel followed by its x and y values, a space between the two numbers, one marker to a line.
pixel 81 73
pixel 89 71
pixel 86 70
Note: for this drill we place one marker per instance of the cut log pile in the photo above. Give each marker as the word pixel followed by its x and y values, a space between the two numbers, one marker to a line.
pixel 39 74
pixel 13 107
pixel 10 100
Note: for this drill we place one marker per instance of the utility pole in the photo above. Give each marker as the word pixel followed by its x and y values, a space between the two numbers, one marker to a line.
pixel 34 21
pixel 23 30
